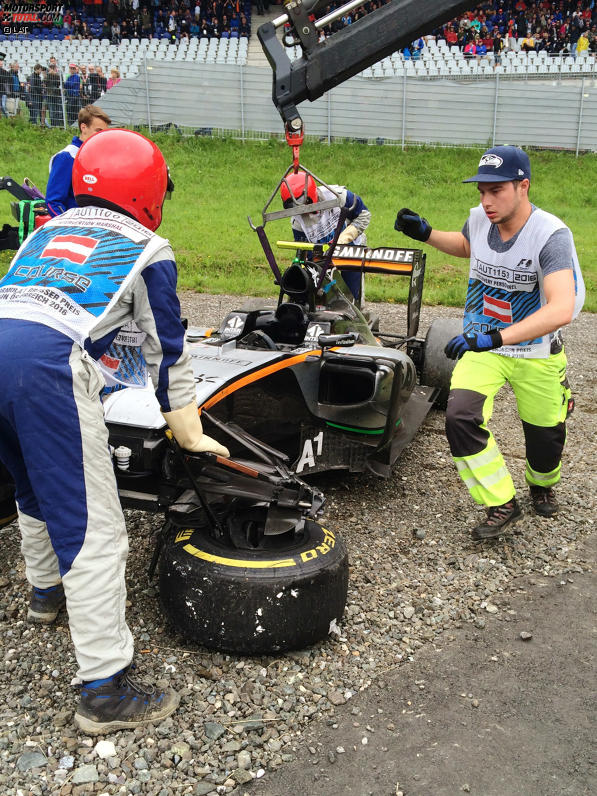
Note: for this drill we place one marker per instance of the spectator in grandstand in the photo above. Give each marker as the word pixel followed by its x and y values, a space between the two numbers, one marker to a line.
pixel 565 46
pixel 244 28
pixel 114 78
pixel 35 95
pixel 67 22
pixel 470 50
pixel 4 88
pixel 225 26
pixel 451 35
pixel 185 25
pixel 85 32
pixel 319 227
pixel 498 46
pixel 527 45
pixel 115 32
pixel 480 48
pixel 582 45
pixel 542 41
pixel 59 192
pixel 53 95
pixel 72 90
pixel 146 24
pixel 205 29
pixel 575 29
pixel 524 284
pixel 106 31
pixel 417 48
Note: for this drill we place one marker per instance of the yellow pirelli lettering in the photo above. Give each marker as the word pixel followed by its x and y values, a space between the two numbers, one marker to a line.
pixel 238 562
pixel 182 536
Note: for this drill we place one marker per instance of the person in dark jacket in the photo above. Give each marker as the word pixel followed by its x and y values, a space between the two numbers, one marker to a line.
pixel 72 89
pixel 4 88
pixel 54 97
pixel 36 95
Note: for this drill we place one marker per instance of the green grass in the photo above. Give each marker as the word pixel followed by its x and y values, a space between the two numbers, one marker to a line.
pixel 220 182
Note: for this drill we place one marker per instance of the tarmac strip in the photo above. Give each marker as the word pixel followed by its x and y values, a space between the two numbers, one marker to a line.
pixel 492 712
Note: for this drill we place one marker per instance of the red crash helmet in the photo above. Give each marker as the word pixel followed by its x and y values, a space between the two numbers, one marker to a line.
pixel 123 170
pixel 303 189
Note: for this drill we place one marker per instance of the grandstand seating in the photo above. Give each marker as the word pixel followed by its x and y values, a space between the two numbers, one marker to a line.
pixel 437 60
pixel 127 57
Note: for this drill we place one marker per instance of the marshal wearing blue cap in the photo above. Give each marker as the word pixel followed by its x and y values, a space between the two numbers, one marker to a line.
pixel 524 284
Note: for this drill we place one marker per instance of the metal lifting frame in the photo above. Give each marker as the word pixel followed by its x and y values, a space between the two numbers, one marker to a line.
pixel 339 57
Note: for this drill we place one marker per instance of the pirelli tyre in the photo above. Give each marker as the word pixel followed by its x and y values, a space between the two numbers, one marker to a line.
pixel 254 602
pixel 437 368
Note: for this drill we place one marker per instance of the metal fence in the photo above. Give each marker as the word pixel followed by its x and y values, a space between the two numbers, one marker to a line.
pixel 224 99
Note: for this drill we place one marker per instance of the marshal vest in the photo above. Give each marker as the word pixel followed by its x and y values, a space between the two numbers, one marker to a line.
pixel 506 287
pixel 72 271
pixel 322 229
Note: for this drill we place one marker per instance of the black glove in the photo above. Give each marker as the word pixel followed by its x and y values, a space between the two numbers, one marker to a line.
pixel 412 224
pixel 472 341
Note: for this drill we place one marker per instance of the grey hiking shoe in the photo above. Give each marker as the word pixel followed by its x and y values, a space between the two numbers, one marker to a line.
pixel 544 500
pixel 498 518
pixel 45 604
pixel 121 702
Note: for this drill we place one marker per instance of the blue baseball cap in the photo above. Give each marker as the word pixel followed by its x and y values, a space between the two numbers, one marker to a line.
pixel 503 164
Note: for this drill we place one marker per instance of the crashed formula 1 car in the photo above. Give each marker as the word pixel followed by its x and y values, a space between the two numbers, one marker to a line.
pixel 307 386
pixel 304 387
pixel 292 390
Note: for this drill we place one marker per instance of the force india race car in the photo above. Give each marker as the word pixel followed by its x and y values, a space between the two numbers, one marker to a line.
pixel 308 386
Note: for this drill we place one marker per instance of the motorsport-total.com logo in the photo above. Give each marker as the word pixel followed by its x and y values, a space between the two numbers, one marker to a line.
pixel 19 18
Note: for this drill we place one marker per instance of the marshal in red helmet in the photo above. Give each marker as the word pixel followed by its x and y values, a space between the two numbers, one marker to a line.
pixel 302 187
pixel 124 171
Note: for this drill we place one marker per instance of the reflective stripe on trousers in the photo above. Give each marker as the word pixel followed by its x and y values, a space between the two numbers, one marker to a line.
pixel 542 394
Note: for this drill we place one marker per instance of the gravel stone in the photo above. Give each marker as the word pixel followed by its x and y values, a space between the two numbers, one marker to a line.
pixel 243 715
pixel 85 774
pixel 213 730
pixel 243 760
pixel 29 760
pixel 241 776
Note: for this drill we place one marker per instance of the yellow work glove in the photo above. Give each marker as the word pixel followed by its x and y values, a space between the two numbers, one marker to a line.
pixel 348 235
pixel 186 426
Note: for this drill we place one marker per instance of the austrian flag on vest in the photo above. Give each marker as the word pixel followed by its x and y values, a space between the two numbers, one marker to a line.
pixel 496 308
pixel 75 248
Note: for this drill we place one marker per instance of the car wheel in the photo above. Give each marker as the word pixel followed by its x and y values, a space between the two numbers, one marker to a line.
pixel 437 368
pixel 254 601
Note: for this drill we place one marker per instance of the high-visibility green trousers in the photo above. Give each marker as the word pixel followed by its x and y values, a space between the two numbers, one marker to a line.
pixel 542 395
